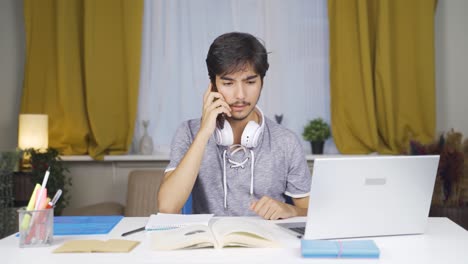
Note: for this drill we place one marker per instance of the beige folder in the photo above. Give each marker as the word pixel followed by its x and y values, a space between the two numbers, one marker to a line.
pixel 89 246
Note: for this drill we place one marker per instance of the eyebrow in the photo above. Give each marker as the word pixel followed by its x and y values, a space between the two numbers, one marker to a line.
pixel 246 79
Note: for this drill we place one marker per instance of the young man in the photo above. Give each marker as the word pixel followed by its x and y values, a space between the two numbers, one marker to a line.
pixel 245 164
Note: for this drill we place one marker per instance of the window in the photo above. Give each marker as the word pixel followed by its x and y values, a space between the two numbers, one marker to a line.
pixel 176 38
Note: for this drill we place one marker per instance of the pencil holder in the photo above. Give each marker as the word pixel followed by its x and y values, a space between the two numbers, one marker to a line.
pixel 36 227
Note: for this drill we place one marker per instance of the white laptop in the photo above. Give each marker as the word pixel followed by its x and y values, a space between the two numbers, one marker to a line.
pixel 369 196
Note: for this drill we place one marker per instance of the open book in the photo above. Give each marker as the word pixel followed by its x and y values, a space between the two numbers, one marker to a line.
pixel 224 232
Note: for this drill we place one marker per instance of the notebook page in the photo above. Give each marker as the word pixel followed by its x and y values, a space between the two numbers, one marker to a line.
pixel 162 221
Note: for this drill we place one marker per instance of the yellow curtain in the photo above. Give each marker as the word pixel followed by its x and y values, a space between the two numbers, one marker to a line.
pixel 82 69
pixel 382 76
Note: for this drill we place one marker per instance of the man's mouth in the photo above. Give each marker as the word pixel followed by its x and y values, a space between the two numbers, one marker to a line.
pixel 237 108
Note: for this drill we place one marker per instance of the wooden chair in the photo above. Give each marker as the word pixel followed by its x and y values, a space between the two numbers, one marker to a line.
pixel 142 194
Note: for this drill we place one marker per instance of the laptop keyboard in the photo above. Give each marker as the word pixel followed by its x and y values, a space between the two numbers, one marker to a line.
pixel 300 230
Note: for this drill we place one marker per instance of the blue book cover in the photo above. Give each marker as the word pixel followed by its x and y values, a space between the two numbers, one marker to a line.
pixel 339 249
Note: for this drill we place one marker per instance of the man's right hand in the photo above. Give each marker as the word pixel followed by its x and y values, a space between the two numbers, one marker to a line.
pixel 211 109
pixel 182 179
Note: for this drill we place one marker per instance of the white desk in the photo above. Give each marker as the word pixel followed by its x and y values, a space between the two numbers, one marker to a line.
pixel 443 242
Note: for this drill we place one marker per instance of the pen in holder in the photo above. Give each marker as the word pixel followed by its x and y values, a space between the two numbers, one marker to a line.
pixel 36 227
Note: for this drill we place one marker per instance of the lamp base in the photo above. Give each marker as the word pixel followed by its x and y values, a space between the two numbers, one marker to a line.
pixel 24 164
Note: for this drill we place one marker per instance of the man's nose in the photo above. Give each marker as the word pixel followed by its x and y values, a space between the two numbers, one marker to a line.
pixel 240 92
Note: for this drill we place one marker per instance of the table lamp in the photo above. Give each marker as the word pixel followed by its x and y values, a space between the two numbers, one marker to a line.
pixel 33 133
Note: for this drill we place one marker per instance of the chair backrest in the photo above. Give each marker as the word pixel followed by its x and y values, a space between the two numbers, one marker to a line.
pixel 142 192
pixel 187 209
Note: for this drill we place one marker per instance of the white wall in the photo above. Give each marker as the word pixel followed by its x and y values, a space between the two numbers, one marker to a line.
pixel 451 67
pixel 451 85
pixel 11 70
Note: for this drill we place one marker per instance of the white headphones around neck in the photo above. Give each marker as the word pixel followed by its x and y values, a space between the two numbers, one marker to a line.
pixel 250 136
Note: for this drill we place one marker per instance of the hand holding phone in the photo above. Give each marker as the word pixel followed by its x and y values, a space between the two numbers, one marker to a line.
pixel 220 118
pixel 215 109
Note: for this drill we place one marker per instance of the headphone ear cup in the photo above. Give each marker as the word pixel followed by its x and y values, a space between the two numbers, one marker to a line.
pixel 250 136
pixel 257 136
pixel 224 137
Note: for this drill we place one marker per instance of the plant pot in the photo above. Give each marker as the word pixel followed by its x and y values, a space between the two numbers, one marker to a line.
pixel 317 147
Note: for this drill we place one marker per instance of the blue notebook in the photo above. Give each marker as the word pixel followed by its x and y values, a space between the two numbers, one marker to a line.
pixel 84 225
pixel 339 249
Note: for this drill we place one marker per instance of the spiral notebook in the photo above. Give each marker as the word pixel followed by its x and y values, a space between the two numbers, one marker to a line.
pixel 162 221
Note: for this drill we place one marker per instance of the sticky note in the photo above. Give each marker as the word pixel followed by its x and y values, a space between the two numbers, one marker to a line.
pixel 31 204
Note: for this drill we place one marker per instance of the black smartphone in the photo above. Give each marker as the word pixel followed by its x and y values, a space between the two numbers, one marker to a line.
pixel 220 118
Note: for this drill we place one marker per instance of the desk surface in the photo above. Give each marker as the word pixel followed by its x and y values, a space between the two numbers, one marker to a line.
pixel 443 242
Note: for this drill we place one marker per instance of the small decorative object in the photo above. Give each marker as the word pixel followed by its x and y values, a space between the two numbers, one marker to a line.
pixel 146 142
pixel 316 131
pixel 279 118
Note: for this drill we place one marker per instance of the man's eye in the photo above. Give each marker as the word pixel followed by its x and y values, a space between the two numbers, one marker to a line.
pixel 251 82
pixel 227 84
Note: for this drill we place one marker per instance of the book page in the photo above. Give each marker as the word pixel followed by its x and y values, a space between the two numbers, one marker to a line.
pixel 162 221
pixel 242 232
pixel 194 236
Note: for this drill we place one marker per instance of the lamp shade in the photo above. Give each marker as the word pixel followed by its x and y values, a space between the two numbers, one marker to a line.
pixel 33 131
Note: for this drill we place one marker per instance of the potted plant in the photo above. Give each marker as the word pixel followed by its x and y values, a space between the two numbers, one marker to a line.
pixel 316 131
pixel 8 220
pixel 450 196
pixel 40 161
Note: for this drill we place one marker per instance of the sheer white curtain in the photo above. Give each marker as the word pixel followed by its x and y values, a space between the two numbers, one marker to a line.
pixel 176 38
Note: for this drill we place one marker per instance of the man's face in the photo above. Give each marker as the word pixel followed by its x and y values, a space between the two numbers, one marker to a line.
pixel 241 91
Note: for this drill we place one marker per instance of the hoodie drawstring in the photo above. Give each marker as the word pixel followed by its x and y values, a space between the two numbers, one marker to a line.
pixel 235 164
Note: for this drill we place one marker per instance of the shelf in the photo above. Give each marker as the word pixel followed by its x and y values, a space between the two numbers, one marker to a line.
pixel 110 158
pixel 165 157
